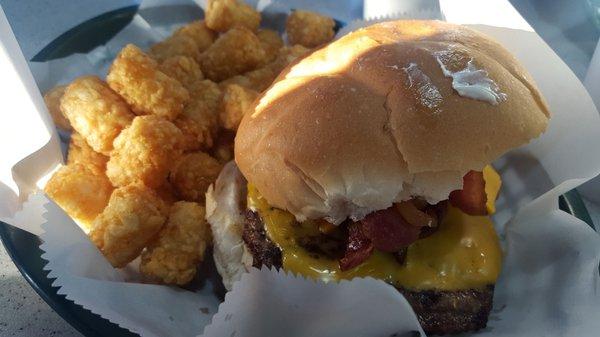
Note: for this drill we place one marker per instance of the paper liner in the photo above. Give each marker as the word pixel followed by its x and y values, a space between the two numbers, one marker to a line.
pixel 291 305
pixel 96 62
pixel 549 284
pixel 377 8
pixel 31 216
pixel 85 277
pixel 29 143
pixel 420 14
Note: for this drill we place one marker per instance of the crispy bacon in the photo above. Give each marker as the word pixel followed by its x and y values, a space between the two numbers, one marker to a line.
pixel 472 198
pixel 388 231
pixel 358 249
pixel 437 212
pixel 415 216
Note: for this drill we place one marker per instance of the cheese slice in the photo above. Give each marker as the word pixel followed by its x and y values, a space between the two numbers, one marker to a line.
pixel 492 187
pixel 464 253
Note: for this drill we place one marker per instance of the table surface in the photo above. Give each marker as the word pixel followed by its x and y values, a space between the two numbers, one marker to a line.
pixel 24 313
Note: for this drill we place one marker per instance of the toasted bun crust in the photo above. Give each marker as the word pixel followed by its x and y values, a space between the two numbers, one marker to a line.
pixel 373 118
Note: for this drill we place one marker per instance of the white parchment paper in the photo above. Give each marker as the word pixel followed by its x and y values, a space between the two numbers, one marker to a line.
pixel 294 306
pixel 549 285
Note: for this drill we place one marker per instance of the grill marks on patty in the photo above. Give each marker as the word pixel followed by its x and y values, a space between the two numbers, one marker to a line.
pixel 439 311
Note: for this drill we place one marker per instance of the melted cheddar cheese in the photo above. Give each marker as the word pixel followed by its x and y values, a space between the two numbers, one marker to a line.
pixel 464 253
pixel 492 187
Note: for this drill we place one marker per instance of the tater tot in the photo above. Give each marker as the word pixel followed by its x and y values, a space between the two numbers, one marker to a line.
pixel 199 120
pixel 167 193
pixel 174 256
pixel 260 79
pixel 96 112
pixel 233 53
pixel 222 15
pixel 271 43
pixel 144 151
pixel 309 29
pixel 133 217
pixel 287 55
pixel 192 174
pixel 80 152
pixel 198 31
pixel 242 80
pixel 223 148
pixel 135 76
pixel 80 192
pixel 237 100
pixel 52 99
pixel 175 45
pixel 182 68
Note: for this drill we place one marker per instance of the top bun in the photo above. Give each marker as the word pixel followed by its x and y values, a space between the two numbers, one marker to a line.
pixel 375 118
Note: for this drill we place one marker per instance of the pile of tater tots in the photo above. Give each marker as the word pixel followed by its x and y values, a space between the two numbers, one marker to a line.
pixel 147 141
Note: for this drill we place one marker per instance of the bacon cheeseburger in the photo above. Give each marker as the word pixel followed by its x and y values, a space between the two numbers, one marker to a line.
pixel 370 157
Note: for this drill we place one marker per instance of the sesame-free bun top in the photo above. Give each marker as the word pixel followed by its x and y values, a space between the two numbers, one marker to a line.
pixel 375 118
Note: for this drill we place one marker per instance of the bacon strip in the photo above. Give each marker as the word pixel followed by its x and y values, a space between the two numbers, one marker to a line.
pixel 415 216
pixel 388 231
pixel 472 198
pixel 359 248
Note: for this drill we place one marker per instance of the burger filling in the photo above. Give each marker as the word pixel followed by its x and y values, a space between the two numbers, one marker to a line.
pixel 447 246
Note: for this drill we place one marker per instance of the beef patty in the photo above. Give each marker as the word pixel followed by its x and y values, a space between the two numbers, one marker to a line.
pixel 439 311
